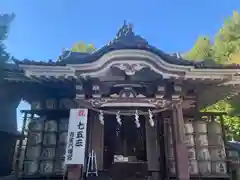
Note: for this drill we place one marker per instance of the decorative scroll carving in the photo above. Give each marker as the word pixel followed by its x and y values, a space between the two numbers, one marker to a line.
pixel 127 92
pixel 130 68
pixel 97 102
pixel 141 102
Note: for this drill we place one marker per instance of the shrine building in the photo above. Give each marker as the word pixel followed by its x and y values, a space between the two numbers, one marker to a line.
pixel 144 111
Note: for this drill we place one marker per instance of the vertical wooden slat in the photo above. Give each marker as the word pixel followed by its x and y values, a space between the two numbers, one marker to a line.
pixel 152 146
pixel 97 141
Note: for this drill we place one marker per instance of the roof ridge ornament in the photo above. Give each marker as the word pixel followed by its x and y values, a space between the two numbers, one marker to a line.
pixel 125 30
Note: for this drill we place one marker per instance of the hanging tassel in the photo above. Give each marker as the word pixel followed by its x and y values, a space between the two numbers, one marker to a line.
pixel 137 119
pixel 118 118
pixel 101 118
pixel 151 122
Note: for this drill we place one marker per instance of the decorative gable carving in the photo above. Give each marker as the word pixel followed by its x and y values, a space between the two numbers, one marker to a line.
pixel 130 68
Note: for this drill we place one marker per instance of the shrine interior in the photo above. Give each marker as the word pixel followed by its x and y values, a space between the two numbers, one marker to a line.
pixel 125 140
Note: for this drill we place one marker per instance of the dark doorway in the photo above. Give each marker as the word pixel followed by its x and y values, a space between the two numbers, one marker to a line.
pixel 126 140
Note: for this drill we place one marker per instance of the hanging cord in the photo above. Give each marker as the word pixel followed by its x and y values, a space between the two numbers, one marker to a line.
pixel 114 112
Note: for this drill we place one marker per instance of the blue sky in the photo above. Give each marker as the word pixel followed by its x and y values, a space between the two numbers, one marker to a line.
pixel 42 28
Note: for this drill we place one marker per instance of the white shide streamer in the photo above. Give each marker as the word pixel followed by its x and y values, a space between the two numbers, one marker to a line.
pixel 151 122
pixel 137 119
pixel 118 118
pixel 101 118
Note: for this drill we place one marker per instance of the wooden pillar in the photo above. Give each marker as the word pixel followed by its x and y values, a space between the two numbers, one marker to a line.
pixel 180 149
pixel 152 146
pixel 98 141
pixel 8 129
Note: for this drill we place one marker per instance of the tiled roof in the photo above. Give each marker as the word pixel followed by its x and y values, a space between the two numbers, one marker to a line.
pixel 125 39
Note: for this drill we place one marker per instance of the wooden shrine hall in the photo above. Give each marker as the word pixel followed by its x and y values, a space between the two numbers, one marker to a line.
pixel 144 117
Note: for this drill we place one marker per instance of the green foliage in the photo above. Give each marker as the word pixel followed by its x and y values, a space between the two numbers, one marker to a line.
pixel 225 49
pixel 82 47
pixel 201 50
pixel 227 40
pixel 232 123
pixel 5 20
